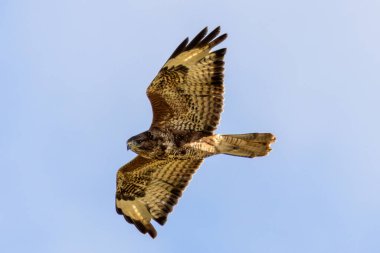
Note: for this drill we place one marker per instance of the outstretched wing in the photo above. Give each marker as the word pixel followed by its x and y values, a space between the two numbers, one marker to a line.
pixel 148 189
pixel 187 93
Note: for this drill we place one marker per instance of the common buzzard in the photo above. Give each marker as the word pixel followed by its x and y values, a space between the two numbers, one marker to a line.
pixel 187 100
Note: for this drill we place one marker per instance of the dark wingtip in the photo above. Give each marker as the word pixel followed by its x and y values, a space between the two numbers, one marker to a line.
pixel 181 47
pixel 129 220
pixel 152 233
pixel 210 37
pixel 118 210
pixel 220 52
pixel 200 40
pixel 197 39
pixel 218 40
pixel 161 220
pixel 144 228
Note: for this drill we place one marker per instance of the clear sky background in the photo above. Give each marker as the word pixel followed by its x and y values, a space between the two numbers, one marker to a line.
pixel 73 76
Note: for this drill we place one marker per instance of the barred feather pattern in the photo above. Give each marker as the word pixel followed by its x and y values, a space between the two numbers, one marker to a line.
pixel 149 189
pixel 187 100
pixel 187 93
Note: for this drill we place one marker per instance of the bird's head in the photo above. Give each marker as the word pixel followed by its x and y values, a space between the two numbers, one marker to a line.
pixel 140 143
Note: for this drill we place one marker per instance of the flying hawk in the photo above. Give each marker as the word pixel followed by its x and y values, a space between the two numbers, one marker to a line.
pixel 187 100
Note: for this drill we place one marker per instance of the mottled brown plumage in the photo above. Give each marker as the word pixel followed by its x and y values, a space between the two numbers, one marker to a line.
pixel 187 100
pixel 187 93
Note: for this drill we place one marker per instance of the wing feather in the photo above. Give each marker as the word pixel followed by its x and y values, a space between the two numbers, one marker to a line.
pixel 187 93
pixel 149 189
pixel 197 39
pixel 180 48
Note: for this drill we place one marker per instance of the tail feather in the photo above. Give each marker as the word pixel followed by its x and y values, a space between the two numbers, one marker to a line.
pixel 246 145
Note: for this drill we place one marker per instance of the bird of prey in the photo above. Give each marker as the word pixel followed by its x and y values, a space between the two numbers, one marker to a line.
pixel 187 100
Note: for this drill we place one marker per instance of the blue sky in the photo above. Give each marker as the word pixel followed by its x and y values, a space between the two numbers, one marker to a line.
pixel 73 76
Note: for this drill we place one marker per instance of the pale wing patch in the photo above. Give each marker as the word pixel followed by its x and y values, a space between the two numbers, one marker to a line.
pixel 149 189
pixel 135 209
pixel 188 58
pixel 187 93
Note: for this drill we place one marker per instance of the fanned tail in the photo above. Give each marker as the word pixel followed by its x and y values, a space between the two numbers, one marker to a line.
pixel 246 145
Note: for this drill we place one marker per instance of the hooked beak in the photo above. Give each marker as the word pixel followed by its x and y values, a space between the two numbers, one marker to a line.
pixel 128 146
